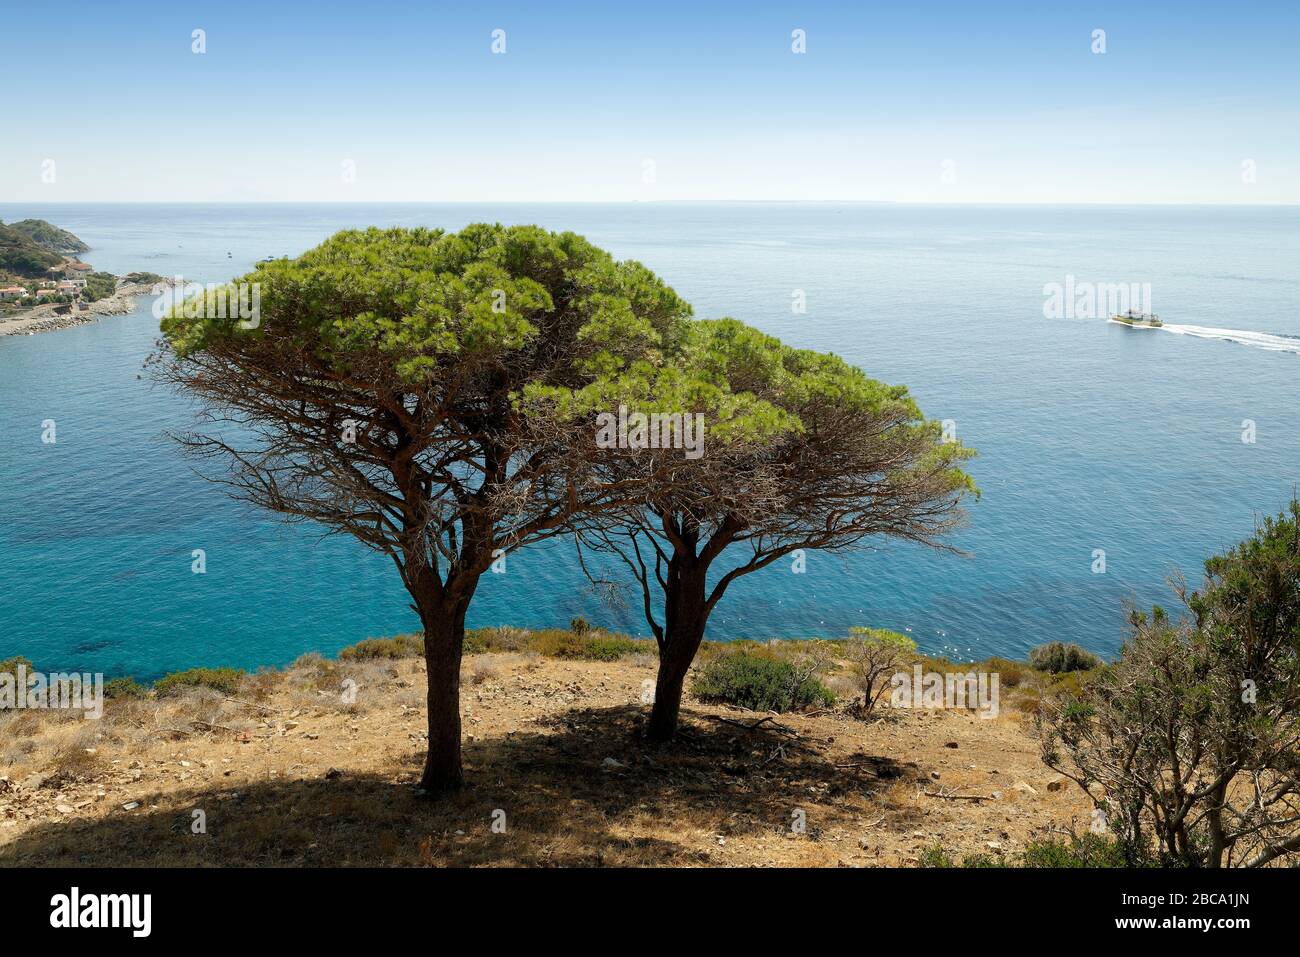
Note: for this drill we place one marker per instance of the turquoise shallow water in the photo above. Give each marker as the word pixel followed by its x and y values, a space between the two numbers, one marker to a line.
pixel 1091 436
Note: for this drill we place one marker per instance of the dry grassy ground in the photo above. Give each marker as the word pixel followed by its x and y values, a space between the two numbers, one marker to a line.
pixel 288 774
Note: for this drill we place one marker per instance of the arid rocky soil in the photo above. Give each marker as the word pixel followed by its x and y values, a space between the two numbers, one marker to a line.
pixel 289 773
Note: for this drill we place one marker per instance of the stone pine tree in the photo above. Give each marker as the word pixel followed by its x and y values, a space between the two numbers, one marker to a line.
pixel 802 452
pixel 376 394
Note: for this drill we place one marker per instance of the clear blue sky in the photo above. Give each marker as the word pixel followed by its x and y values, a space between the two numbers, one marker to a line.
pixel 1006 98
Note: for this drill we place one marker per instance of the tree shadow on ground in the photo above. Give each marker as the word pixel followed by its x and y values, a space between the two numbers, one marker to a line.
pixel 544 795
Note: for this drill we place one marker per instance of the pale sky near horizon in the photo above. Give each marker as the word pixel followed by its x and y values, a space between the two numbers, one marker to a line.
pixel 934 102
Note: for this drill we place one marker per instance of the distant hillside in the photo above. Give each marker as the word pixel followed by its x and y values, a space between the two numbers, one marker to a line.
pixel 49 236
pixel 30 247
pixel 20 256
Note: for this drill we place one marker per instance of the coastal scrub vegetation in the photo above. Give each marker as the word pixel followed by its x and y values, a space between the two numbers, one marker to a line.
pixel 1058 657
pixel 225 680
pixel 144 278
pixel 371 649
pixel 838 663
pixel 304 775
pixel 1076 850
pixel 125 687
pixel 1189 744
pixel 585 698
pixel 760 682
pixel 99 285
pixel 11 665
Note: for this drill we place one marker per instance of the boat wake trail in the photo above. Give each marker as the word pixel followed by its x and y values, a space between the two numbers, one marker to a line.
pixel 1256 340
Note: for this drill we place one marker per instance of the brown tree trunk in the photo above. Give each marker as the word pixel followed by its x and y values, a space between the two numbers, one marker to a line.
pixel 674 662
pixel 685 620
pixel 444 637
pixel 1218 839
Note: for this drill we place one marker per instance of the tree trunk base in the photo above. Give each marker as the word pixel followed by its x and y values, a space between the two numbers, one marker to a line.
pixel 661 732
pixel 441 777
pixel 438 788
pixel 666 712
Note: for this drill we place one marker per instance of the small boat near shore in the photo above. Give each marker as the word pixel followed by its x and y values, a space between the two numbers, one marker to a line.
pixel 1138 320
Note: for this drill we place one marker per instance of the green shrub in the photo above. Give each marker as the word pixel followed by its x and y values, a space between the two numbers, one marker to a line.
pixel 935 856
pixel 144 278
pixel 554 643
pixel 1072 682
pixel 591 644
pixel 225 680
pixel 10 665
pixel 1088 850
pixel 1057 657
pixel 579 625
pixel 1011 674
pixel 759 682
pixel 476 641
pixel 126 687
pixel 609 647
pixel 587 646
pixel 882 636
pixel 400 646
pixel 99 285
pixel 503 638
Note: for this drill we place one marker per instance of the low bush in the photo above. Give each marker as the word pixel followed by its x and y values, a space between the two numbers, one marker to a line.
pixel 262 684
pixel 144 278
pixel 1057 657
pixel 1088 850
pixel 590 644
pixel 73 764
pixel 99 285
pixel 1073 682
pixel 482 670
pixel 399 646
pixel 610 647
pixel 479 640
pixel 225 680
pixel 759 682
pixel 1011 674
pixel 126 687
pixel 584 645
pixel 935 856
pixel 10 665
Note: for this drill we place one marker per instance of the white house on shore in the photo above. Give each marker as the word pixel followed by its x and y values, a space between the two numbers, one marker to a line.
pixel 13 292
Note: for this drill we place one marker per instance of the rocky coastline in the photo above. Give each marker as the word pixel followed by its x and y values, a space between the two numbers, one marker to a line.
pixel 49 317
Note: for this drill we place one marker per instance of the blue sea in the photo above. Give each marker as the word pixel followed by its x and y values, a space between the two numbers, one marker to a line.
pixel 1090 436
